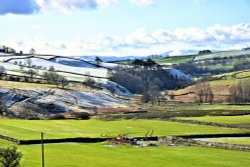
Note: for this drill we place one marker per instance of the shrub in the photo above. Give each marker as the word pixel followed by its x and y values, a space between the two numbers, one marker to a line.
pixel 10 157
pixel 56 116
pixel 81 115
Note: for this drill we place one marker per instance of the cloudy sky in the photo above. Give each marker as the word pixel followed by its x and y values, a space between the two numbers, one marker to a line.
pixel 124 27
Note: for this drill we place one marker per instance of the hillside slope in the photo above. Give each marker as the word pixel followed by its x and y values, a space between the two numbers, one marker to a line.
pixel 38 102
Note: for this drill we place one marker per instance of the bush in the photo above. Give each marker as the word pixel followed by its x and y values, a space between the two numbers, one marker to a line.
pixel 9 157
pixel 57 116
pixel 81 115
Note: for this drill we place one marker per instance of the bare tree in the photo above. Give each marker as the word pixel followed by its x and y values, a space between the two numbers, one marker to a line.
pixel 32 51
pixel 204 93
pixel 2 72
pixel 29 62
pixel 240 93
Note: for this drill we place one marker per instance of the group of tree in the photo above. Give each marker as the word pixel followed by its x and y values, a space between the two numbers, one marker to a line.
pixel 6 49
pixel 145 77
pixel 240 93
pixel 203 93
pixel 201 68
pixel 204 52
pixel 52 77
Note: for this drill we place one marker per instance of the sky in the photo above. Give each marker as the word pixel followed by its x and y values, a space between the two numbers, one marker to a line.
pixel 124 27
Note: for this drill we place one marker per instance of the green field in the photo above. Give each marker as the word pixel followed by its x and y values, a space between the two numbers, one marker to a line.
pixel 243 140
pixel 174 59
pixel 97 155
pixel 30 129
pixel 5 143
pixel 236 74
pixel 243 120
pixel 195 107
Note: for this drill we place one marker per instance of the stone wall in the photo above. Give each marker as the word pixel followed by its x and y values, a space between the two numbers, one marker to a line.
pixel 172 140
pixel 210 123
pixel 4 137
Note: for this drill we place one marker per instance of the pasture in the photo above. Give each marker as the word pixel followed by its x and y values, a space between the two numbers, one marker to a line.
pixel 231 140
pixel 30 129
pixel 242 120
pixel 97 155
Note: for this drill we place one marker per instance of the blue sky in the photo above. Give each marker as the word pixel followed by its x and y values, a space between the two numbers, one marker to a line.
pixel 124 27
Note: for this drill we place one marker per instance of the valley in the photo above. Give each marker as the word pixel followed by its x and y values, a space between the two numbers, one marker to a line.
pixel 91 104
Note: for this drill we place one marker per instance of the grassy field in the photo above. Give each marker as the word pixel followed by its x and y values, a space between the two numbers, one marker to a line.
pixel 5 143
pixel 14 85
pixel 195 107
pixel 97 155
pixel 30 129
pixel 24 85
pixel 243 140
pixel 237 74
pixel 174 59
pixel 244 120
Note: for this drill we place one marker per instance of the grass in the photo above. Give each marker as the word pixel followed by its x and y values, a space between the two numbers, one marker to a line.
pixel 195 107
pixel 244 120
pixel 238 74
pixel 30 129
pixel 78 155
pixel 24 85
pixel 174 59
pixel 5 143
pixel 14 85
pixel 243 140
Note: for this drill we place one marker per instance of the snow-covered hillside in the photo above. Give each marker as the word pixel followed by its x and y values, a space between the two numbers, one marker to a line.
pixel 37 103
pixel 233 53
pixel 73 69
pixel 84 69
pixel 178 74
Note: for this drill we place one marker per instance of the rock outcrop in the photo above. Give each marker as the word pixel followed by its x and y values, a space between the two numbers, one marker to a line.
pixel 39 103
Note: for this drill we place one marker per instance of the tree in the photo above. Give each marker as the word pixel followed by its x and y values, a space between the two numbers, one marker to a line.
pixel 10 157
pixel 2 72
pixel 139 79
pixel 145 97
pixel 204 93
pixel 204 51
pixel 31 73
pixel 32 51
pixel 98 60
pixel 53 77
pixel 240 93
pixel 61 81
pixel 29 62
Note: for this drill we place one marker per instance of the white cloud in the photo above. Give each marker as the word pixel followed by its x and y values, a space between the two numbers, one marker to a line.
pixel 191 34
pixel 36 26
pixel 66 5
pixel 236 32
pixel 71 5
pixel 34 6
pixel 142 2
pixel 139 37
pixel 106 3
pixel 141 42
